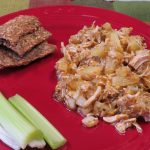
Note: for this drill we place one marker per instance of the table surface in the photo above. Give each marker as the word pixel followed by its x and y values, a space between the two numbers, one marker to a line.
pixel 15 5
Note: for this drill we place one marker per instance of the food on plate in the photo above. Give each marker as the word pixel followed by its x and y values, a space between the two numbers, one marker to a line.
pixel 23 40
pixel 12 31
pixel 15 130
pixel 27 42
pixel 10 59
pixel 52 136
pixel 105 73
pixel 22 125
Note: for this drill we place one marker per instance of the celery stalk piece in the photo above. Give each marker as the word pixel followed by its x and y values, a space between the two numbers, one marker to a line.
pixel 16 131
pixel 4 136
pixel 52 136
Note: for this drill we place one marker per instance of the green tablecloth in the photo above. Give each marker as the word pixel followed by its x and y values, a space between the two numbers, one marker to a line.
pixel 8 6
pixel 140 10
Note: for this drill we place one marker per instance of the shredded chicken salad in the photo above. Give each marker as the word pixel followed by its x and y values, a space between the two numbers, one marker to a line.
pixel 105 73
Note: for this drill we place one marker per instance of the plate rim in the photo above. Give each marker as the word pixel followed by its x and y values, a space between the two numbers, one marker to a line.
pixel 76 6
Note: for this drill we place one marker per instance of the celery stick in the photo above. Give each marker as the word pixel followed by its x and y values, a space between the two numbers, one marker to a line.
pixel 8 139
pixel 14 127
pixel 51 134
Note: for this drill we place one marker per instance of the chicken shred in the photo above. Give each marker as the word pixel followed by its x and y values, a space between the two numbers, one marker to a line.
pixel 105 72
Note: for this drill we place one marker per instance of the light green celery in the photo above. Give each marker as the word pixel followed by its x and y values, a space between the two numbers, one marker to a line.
pixel 52 136
pixel 19 129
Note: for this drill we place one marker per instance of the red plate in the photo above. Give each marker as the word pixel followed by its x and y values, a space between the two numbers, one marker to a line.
pixel 37 81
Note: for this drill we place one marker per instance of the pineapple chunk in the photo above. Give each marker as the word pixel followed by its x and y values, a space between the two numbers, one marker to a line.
pixel 89 72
